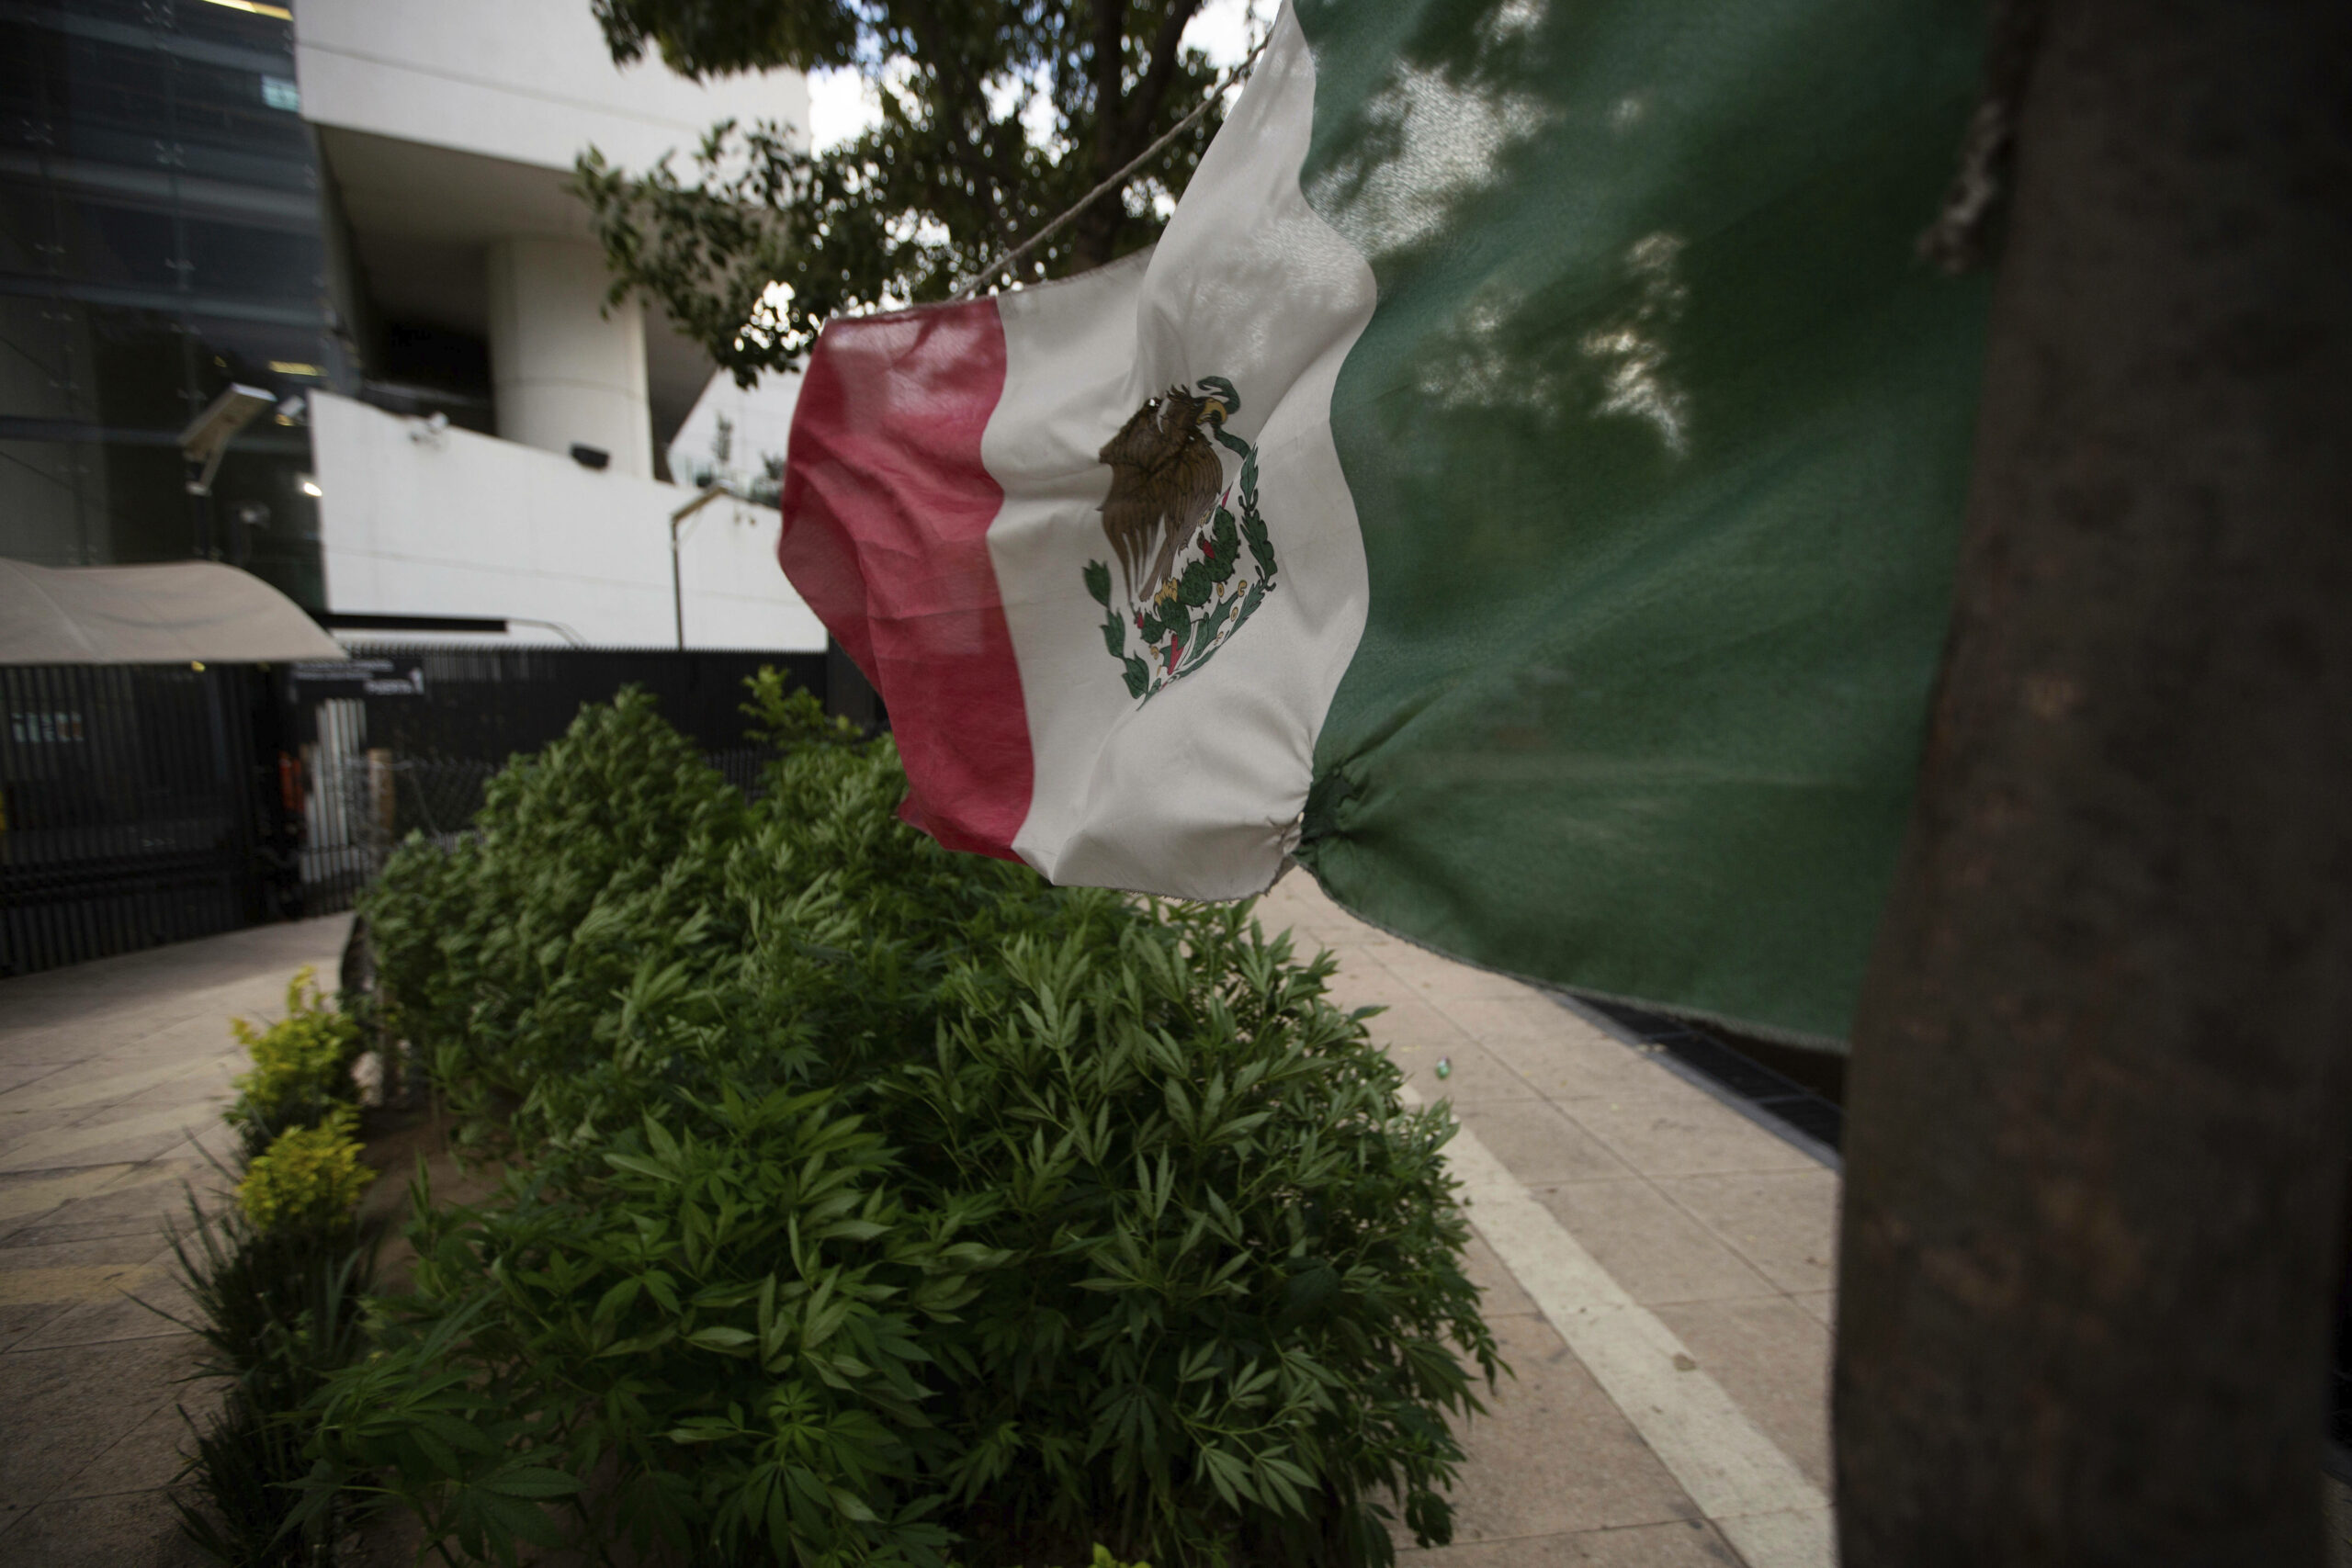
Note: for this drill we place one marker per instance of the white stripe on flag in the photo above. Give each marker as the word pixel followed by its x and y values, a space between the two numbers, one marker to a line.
pixel 1198 791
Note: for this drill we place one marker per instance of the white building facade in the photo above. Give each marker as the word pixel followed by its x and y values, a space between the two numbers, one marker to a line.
pixel 500 461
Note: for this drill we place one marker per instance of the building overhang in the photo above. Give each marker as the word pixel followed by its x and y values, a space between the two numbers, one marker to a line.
pixel 176 613
pixel 422 217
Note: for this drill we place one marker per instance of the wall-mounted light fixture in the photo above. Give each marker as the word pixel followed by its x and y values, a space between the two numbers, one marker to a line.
pixel 588 456
pixel 310 485
pixel 206 440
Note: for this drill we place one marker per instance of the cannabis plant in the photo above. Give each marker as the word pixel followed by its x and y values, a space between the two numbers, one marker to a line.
pixel 880 1204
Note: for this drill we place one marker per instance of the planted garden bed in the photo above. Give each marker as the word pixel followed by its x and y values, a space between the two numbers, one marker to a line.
pixel 872 1203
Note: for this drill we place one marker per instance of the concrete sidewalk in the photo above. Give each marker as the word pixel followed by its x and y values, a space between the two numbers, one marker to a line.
pixel 1686 1252
pixel 1657 1267
pixel 113 1077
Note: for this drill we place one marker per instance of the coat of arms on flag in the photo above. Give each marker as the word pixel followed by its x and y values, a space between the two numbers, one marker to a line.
pixel 1172 526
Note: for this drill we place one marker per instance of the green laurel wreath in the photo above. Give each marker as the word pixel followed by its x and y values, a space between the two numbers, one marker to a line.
pixel 1199 620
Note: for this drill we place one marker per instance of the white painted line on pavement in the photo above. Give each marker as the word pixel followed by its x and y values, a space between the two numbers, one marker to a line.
pixel 1772 1516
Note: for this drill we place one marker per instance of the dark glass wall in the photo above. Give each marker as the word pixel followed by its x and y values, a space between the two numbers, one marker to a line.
pixel 160 237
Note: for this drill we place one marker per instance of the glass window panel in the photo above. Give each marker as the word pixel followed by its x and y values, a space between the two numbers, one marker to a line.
pixel 266 523
pixel 143 510
pixel 240 260
pixel 137 377
pixel 130 246
pixel 26 235
pixel 228 108
pixel 37 378
pixel 110 103
pixel 125 12
pixel 41 503
pixel 29 60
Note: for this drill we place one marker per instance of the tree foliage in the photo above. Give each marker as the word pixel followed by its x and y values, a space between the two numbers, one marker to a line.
pixel 997 117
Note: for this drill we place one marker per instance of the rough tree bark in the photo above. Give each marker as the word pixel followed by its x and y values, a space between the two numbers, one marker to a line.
pixel 2097 1105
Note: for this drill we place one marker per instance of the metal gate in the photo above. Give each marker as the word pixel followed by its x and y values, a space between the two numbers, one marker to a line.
pixel 129 803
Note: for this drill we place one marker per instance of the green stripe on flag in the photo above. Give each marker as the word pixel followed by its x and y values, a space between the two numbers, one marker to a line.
pixel 1658 442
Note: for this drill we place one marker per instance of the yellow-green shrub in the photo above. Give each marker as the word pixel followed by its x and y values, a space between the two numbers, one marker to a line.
pixel 309 1177
pixel 301 1064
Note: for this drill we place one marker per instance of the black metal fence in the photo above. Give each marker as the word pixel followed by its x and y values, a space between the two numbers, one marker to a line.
pixel 485 705
pixel 148 803
pixel 136 808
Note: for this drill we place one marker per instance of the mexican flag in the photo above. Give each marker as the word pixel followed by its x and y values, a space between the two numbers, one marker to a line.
pixel 1520 487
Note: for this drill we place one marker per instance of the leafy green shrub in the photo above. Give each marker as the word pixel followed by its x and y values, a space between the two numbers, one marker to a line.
pixel 309 1177
pixel 274 1312
pixel 881 1202
pixel 301 1065
pixel 277 1284
pixel 732 1320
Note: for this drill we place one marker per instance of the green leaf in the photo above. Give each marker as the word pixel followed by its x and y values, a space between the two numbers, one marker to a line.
pixel 531 1480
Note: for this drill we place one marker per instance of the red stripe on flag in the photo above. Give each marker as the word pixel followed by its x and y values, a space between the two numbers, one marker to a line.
pixel 887 508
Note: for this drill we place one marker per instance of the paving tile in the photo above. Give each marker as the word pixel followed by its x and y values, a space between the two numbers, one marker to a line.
pixel 1686 1135
pixel 151 1305
pixel 14 1076
pixel 19 1129
pixel 1690 1543
pixel 1406 1015
pixel 67 1406
pixel 258 955
pixel 1648 1245
pixel 1425 972
pixel 40 1047
pixel 103 1081
pixel 126 1530
pixel 105 1252
pixel 80 1293
pixel 25 1196
pixel 152 1454
pixel 1563 1058
pixel 1500 1294
pixel 110 1136
pixel 130 1201
pixel 1773 1358
pixel 1472 1074
pixel 208 1092
pixel 1785 1223
pixel 25 1318
pixel 1553 1454
pixel 1538 1145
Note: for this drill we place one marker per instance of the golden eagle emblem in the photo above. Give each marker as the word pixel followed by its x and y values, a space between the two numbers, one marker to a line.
pixel 1180 541
pixel 1164 478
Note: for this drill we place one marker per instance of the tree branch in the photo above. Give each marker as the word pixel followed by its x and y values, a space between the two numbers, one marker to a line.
pixel 1143 105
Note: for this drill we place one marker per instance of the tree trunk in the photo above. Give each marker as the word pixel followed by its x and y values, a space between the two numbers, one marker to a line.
pixel 2097 1105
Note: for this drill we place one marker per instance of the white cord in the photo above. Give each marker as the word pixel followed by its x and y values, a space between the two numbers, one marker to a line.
pixel 971 285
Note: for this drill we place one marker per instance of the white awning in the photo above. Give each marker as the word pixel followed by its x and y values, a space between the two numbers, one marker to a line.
pixel 151 614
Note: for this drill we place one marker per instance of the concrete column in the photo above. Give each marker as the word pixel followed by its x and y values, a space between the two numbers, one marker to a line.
pixel 565 372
